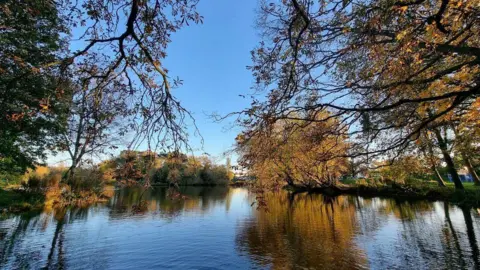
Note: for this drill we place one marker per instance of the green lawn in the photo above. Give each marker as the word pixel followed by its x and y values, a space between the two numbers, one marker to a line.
pixel 421 189
pixel 468 186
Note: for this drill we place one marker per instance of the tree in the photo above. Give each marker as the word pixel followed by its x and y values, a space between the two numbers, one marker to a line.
pixel 94 123
pixel 466 128
pixel 295 152
pixel 405 168
pixel 32 97
pixel 119 46
pixel 134 165
pixel 116 51
pixel 378 62
pixel 427 149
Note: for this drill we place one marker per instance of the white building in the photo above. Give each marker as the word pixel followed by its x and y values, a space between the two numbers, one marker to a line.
pixel 239 171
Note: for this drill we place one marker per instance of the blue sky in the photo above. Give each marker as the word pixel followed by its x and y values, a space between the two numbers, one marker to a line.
pixel 211 59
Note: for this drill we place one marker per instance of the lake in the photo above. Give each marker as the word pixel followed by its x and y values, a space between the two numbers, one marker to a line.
pixel 218 228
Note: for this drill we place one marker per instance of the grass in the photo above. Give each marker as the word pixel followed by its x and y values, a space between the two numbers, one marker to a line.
pixel 467 186
pixel 469 197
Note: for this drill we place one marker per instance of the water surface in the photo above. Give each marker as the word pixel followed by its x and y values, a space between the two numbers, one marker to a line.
pixel 217 228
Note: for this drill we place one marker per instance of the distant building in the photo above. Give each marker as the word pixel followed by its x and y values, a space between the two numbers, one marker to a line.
pixel 464 175
pixel 239 171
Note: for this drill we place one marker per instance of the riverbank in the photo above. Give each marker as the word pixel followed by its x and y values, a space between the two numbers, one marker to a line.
pixel 470 197
pixel 190 185
pixel 16 200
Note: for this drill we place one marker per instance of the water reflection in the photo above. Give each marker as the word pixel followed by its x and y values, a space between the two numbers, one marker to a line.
pixel 352 232
pixel 46 240
pixel 312 232
pixel 169 203
pixel 216 228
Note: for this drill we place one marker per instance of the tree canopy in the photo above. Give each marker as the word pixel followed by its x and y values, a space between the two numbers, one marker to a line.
pixel 32 110
pixel 295 152
pixel 389 69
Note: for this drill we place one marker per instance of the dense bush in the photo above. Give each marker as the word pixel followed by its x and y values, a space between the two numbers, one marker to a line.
pixel 168 169
pixel 189 171
pixel 7 179
pixel 214 174
pixel 43 178
pixel 86 179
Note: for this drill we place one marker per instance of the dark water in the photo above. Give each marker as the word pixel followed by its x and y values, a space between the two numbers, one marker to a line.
pixel 216 228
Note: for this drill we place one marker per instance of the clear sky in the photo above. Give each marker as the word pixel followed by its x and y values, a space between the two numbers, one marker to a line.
pixel 211 59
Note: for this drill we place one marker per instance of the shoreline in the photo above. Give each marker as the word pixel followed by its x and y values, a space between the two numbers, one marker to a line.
pixel 23 202
pixel 18 201
pixel 470 197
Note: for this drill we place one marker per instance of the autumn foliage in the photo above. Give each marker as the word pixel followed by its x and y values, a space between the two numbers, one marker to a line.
pixel 295 152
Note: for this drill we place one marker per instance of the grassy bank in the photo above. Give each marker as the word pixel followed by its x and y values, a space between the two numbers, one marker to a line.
pixel 470 197
pixel 15 200
pixel 44 188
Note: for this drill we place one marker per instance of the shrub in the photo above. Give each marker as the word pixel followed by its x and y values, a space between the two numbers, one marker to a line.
pixel 348 180
pixel 34 183
pixel 11 179
pixel 214 174
pixel 41 171
pixel 159 176
pixel 86 179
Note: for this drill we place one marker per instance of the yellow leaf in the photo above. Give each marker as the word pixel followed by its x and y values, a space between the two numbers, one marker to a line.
pixel 401 35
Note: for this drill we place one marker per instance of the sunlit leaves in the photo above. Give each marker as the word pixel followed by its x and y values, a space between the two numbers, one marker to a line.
pixel 411 65
pixel 295 152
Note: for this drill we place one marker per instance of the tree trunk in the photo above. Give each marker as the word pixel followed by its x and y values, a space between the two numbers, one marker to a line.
pixel 468 163
pixel 448 159
pixel 430 157
pixel 471 170
pixel 439 177
pixel 69 174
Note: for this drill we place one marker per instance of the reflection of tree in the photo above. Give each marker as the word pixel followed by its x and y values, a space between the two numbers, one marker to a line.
pixel 471 237
pixel 168 204
pixel 9 239
pixel 58 236
pixel 22 225
pixel 401 209
pixel 449 235
pixel 419 235
pixel 314 232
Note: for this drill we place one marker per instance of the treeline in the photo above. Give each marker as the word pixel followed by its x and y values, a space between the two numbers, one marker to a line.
pixel 345 83
pixel 172 168
pixel 129 168
pixel 299 153
pixel 93 183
